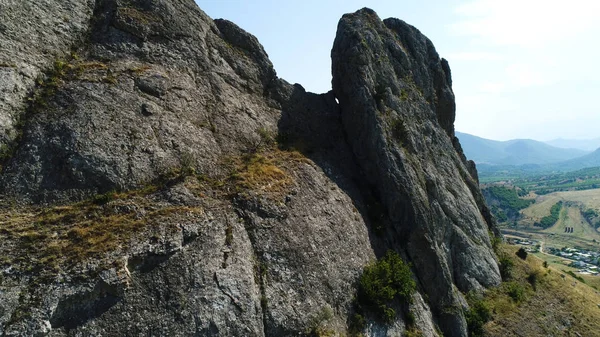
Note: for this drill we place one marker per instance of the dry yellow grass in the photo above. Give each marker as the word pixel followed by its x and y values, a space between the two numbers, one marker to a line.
pixel 559 305
pixel 268 172
pixel 46 240
pixel 261 173
pixel 541 208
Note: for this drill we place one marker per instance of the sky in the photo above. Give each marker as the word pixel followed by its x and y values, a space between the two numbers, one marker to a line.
pixel 520 68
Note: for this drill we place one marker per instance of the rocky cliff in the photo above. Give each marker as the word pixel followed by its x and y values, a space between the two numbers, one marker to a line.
pixel 158 178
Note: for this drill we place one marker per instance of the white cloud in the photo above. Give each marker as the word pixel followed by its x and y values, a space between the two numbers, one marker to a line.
pixel 492 87
pixel 525 23
pixel 475 56
pixel 522 75
pixel 515 77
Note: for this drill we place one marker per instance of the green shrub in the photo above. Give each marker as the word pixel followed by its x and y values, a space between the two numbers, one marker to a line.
pixel 404 95
pixel 506 266
pixel 515 291
pixel 575 276
pixel 399 130
pixel 496 241
pixel 522 253
pixel 478 314
pixel 533 278
pixel 384 281
pixel 105 198
pixel 357 324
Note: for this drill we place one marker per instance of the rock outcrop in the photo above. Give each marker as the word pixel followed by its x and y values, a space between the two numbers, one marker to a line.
pixel 398 112
pixel 159 179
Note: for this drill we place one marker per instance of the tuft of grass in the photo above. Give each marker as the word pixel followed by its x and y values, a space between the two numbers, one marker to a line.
pixel 319 322
pixel 229 235
pixel 140 69
pixel 136 15
pixel 403 95
pixel 398 128
pixel 264 171
pixel 267 137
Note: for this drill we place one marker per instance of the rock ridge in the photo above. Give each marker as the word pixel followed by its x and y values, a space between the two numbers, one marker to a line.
pixel 158 178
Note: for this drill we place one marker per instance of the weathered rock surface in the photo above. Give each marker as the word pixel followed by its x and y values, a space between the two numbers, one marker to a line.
pixel 221 232
pixel 34 34
pixel 398 111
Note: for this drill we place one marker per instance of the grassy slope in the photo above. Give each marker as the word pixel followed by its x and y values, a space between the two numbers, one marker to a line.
pixel 559 306
pixel 561 264
pixel 570 216
pixel 542 206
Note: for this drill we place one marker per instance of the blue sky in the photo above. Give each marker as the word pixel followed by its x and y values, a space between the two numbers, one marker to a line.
pixel 520 68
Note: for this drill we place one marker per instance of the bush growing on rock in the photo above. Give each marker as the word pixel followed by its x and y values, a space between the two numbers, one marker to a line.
pixel 384 281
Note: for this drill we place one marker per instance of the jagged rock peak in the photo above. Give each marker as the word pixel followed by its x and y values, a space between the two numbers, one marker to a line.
pixel 406 53
pixel 397 109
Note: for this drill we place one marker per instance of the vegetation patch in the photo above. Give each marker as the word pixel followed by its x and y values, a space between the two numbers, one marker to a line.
pixel 536 301
pixel 56 238
pixel 505 203
pixel 478 314
pixel 521 253
pixel 135 15
pixel 549 220
pixel 260 172
pixel 399 131
pixel 265 171
pixel 382 283
pixel 319 323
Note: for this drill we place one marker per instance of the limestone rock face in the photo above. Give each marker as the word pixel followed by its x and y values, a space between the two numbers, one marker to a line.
pixel 157 178
pixel 33 35
pixel 398 111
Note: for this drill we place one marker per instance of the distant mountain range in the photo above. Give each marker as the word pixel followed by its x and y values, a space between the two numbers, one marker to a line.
pixel 589 160
pixel 582 144
pixel 515 151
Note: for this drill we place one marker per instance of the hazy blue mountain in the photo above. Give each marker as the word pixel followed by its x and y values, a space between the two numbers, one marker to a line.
pixel 514 152
pixel 588 160
pixel 582 144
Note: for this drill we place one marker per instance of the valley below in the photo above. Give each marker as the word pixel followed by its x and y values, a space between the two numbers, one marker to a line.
pixel 561 228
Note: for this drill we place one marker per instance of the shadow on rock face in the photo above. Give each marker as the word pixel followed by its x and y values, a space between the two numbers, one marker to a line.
pixel 75 310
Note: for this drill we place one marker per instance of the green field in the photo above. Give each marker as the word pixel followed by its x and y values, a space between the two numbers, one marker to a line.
pixel 574 203
pixel 544 182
